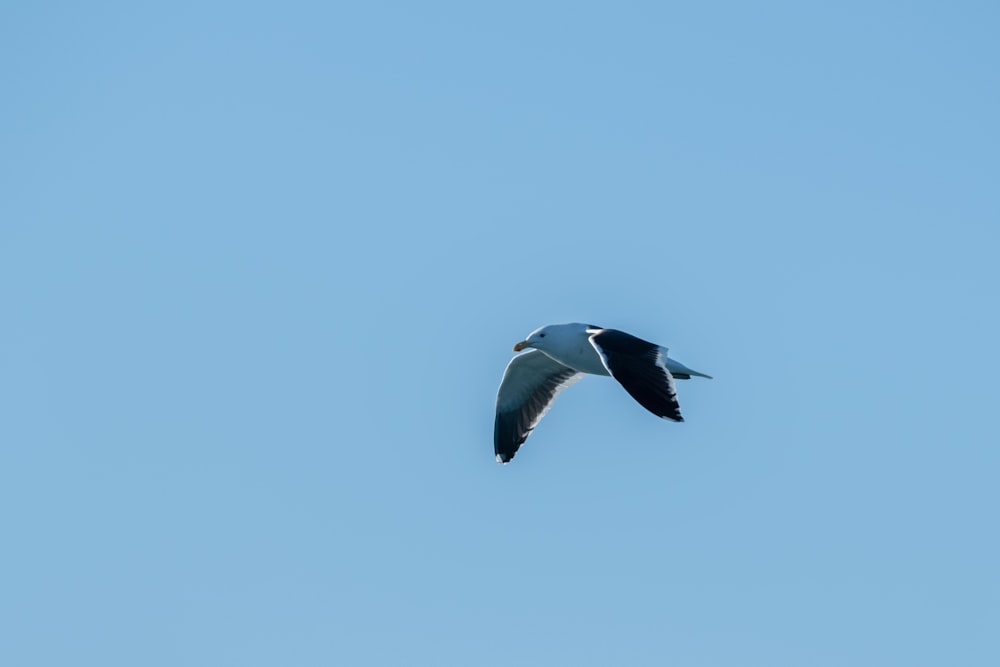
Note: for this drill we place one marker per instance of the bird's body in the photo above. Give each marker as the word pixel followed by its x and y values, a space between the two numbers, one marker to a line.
pixel 570 345
pixel 562 355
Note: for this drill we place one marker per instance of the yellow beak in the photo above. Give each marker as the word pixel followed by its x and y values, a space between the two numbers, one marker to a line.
pixel 520 346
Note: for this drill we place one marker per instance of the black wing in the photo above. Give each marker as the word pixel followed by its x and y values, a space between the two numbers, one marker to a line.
pixel 640 367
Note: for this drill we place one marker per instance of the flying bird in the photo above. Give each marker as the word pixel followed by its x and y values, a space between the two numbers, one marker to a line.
pixel 561 355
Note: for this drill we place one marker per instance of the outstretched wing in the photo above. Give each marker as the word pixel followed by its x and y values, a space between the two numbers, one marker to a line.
pixel 640 367
pixel 530 385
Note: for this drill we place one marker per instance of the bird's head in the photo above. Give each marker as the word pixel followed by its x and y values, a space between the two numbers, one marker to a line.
pixel 542 338
pixel 535 339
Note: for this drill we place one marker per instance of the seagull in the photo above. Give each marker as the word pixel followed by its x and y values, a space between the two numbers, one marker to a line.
pixel 560 355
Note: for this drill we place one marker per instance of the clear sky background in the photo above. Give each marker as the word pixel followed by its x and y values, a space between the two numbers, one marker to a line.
pixel 262 266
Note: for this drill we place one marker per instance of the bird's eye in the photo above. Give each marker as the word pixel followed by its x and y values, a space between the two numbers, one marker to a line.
pixel 541 335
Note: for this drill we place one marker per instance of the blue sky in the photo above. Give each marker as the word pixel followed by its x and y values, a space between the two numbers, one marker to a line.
pixel 262 266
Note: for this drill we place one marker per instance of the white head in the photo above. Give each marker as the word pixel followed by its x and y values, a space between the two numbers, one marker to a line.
pixel 542 338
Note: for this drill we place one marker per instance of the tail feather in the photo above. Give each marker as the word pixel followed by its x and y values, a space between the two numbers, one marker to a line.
pixel 682 372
